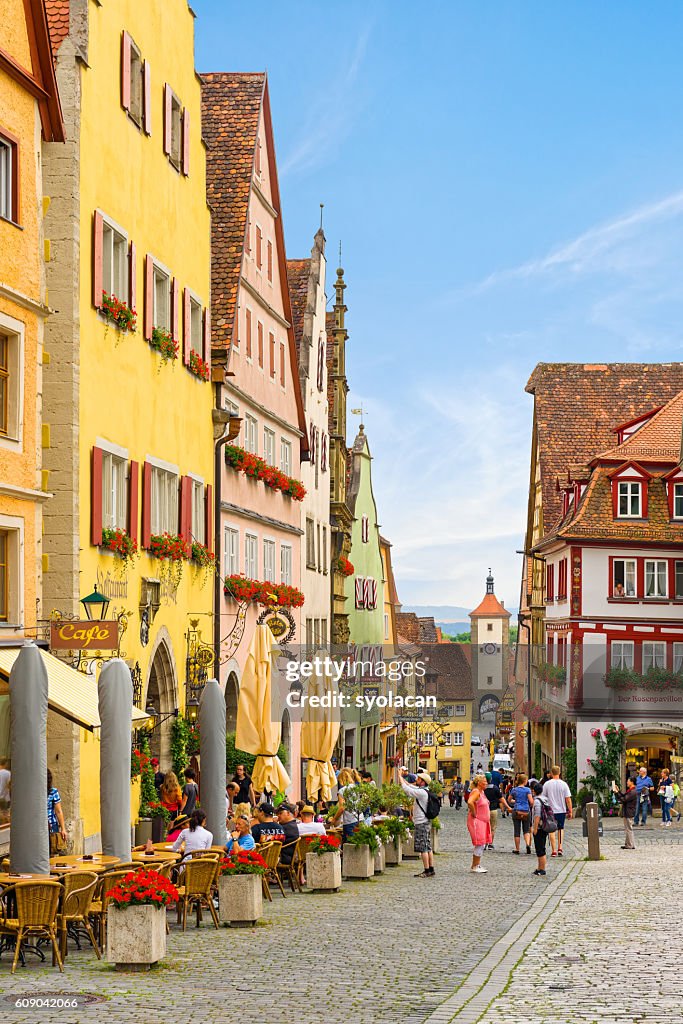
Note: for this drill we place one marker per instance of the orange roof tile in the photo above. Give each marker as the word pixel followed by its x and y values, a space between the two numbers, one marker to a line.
pixel 298 273
pixel 491 608
pixel 58 22
pixel 659 440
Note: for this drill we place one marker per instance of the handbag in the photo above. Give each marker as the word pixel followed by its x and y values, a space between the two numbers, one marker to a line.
pixel 520 815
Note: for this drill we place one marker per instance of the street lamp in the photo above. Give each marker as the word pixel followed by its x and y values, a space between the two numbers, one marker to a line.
pixel 192 709
pixel 96 605
pixel 155 719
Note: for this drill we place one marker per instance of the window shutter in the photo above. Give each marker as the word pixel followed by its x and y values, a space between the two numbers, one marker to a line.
pixel 125 71
pixel 146 505
pixel 185 530
pixel 147 99
pixel 174 308
pixel 360 591
pixel 271 346
pixel 373 593
pixel 96 497
pixel 187 328
pixel 366 593
pixel 259 254
pixel 168 116
pixel 207 337
pixel 133 489
pixel 260 344
pixel 270 261
pixel 311 441
pixel 149 297
pixel 97 260
pixel 320 366
pixel 248 329
pixel 186 141
pixel 282 364
pixel 323 453
pixel 132 278
pixel 208 517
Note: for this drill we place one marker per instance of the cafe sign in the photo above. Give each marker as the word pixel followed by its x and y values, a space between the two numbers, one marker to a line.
pixel 84 634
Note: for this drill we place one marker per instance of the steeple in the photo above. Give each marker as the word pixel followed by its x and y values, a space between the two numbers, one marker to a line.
pixel 339 289
pixel 489 583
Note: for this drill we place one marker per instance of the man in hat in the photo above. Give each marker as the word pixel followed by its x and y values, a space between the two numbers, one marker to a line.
pixel 288 826
pixel 421 823
pixel 307 824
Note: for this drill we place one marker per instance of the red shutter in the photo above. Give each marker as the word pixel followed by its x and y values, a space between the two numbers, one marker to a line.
pixel 187 328
pixel 168 107
pixel 125 71
pixel 207 337
pixel 248 317
pixel 259 254
pixel 373 593
pixel 133 490
pixel 149 296
pixel 147 99
pixel 260 344
pixel 175 288
pixel 282 364
pixel 96 497
pixel 360 591
pixel 185 530
pixel 270 261
pixel 146 505
pixel 186 141
pixel 97 226
pixel 208 513
pixel 132 278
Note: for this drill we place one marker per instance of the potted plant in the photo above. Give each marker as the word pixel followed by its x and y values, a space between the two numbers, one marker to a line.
pixel 157 818
pixel 136 920
pixel 359 853
pixel 323 864
pixel 398 832
pixel 240 890
pixel 436 828
pixel 380 859
pixel 171 550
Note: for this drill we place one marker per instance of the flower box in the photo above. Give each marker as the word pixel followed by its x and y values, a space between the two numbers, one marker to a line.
pixel 143 831
pixel 240 899
pixel 324 871
pixel 394 852
pixel 344 566
pixel 120 543
pixel 136 937
pixel 198 366
pixel 380 860
pixel 258 469
pixel 409 848
pixel 118 313
pixel 436 845
pixel 164 343
pixel 272 595
pixel 358 861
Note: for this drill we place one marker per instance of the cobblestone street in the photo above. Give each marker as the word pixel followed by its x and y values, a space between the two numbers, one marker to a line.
pixel 444 951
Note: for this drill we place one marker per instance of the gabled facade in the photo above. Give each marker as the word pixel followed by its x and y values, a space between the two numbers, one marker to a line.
pixel 489 637
pixel 444 748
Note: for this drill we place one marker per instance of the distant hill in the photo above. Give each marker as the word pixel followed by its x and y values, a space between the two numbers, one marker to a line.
pixel 453 628
pixel 452 618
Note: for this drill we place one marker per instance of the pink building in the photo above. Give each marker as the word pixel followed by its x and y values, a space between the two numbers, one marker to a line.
pixel 252 328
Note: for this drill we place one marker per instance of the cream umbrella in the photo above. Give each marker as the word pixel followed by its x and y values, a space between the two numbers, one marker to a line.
pixel 256 732
pixel 319 733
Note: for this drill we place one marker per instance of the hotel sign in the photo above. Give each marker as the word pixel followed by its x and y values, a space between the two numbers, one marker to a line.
pixel 84 634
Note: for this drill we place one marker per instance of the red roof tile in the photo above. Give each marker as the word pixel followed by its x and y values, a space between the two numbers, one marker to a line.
pixel 298 273
pixel 449 675
pixel 491 608
pixel 659 440
pixel 58 22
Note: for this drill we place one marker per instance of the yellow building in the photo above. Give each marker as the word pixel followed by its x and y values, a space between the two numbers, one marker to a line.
pixel 445 735
pixel 128 429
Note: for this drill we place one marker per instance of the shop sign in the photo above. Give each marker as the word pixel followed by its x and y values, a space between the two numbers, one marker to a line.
pixel 281 623
pixel 84 634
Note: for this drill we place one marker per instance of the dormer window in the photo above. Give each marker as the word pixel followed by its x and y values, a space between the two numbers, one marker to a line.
pixel 629 499
pixel 678 501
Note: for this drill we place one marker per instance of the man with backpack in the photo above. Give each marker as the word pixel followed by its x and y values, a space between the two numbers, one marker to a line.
pixel 426 807
pixel 543 823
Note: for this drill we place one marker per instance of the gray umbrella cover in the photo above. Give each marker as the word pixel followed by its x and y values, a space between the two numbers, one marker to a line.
pixel 29 843
pixel 212 754
pixel 115 700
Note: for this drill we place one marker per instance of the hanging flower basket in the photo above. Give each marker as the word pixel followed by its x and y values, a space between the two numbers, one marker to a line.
pixel 162 341
pixel 171 550
pixel 198 366
pixel 256 468
pixel 122 544
pixel 344 566
pixel 203 559
pixel 118 313
pixel 272 595
pixel 138 762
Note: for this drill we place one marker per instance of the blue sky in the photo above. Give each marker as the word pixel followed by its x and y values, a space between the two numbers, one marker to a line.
pixel 507 182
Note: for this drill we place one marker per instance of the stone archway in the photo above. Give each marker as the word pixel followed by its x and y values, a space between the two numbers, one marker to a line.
pixel 231 697
pixel 162 694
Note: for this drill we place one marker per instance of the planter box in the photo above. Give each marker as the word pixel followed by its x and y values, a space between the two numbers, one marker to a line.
pixel 436 844
pixel 240 899
pixel 143 831
pixel 323 871
pixel 409 849
pixel 358 862
pixel 393 853
pixel 380 860
pixel 136 937
pixel 158 830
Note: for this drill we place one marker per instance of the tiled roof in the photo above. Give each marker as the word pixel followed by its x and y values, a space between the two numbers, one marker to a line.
pixel 298 273
pixel 58 22
pixel 418 630
pixel 453 672
pixel 231 107
pixel 491 608
pixel 659 440
pixel 577 407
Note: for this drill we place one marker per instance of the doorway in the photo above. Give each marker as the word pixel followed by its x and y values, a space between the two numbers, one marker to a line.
pixel 162 695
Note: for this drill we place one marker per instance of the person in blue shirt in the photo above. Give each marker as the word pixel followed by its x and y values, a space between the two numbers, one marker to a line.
pixel 241 835
pixel 644 786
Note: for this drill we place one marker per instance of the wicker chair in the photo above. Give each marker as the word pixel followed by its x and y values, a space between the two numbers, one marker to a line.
pixel 36 909
pixel 98 907
pixel 197 880
pixel 290 871
pixel 271 854
pixel 79 889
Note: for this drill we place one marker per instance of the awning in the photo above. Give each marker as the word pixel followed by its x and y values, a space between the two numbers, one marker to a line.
pixel 71 694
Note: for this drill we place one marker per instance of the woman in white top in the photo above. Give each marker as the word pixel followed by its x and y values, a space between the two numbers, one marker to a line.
pixel 195 837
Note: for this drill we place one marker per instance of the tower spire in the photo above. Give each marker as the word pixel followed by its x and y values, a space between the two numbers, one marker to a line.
pixel 489 582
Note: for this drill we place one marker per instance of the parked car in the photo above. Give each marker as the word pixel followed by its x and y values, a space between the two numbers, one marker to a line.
pixel 476 741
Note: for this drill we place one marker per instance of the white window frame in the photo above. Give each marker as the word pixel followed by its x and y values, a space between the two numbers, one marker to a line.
pixel 458 739
pixel 427 739
pixel 231 550
pixel 251 555
pixel 13 330
pixel 286 564
pixel 115 279
pixel 161 296
pixel 364 529
pixel 136 108
pixel 176 153
pixel 114 485
pixel 656 573
pixel 622 654
pixel 678 500
pixel 8 170
pixel 250 433
pixel 269 552
pixel 198 525
pixel 459 710
pixel 269 446
pixel 196 324
pixel 14 525
pixel 654 654
pixel 630 583
pixel 285 456
pixel 628 490
pixel 166 476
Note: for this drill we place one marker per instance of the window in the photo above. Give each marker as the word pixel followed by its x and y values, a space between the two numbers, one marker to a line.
pixel 678 501
pixel 624 582
pixel 161 293
pixel 114 491
pixel 550 582
pixel 10 382
pixel 173 128
pixel 271 346
pixel 655 578
pixel 324 551
pixel 427 739
pixel 198 512
pixel 5 384
pixel 320 556
pixel 164 512
pixel 629 494
pixel 9 179
pixel 136 79
pixel 251 556
pixel 489 627
pixel 678 657
pixel 310 544
pixel 196 326
pixel 248 333
pixel 259 247
pixel 320 375
pixel 621 654
pixel 269 446
pixel 283 365
pixel 323 631
pixel 364 529
pixel 286 564
pixel 678 577
pixel 259 342
pixel 4 575
pixel 460 709
pixel 114 261
pixel 489 680
pixel 386 626
pixel 458 739
pixel 257 158
pixel 654 655
pixel 231 540
pixel 251 434
pixel 269 560
pixel 309 632
pixel 286 456
pixel 562 580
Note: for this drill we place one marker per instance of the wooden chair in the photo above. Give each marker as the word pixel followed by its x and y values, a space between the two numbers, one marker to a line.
pixel 100 904
pixel 271 854
pixel 291 870
pixel 300 858
pixel 36 914
pixel 197 881
pixel 79 889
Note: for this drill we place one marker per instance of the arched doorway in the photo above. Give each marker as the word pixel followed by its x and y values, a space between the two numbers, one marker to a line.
pixel 162 693
pixel 656 745
pixel 231 696
pixel 286 739
pixel 488 706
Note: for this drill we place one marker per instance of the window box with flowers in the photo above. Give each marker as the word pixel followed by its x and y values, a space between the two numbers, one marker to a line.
pixel 171 550
pixel 121 544
pixel 323 864
pixel 198 366
pixel 136 920
pixel 203 559
pixel 657 679
pixel 555 675
pixel 118 313
pixel 240 890
pixel 162 341
pixel 258 469
pixel 272 595
pixel 345 567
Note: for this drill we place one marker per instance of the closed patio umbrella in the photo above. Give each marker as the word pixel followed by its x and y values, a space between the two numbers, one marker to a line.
pixel 319 733
pixel 212 756
pixel 115 700
pixel 29 842
pixel 255 732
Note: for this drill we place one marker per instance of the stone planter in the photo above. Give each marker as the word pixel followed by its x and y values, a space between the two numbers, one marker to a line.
pixel 143 831
pixel 358 862
pixel 240 899
pixel 158 830
pixel 136 937
pixel 380 860
pixel 323 871
pixel 393 852
pixel 436 843
pixel 409 848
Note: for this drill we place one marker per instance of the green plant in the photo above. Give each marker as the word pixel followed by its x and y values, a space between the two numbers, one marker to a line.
pixel 233 756
pixel 393 796
pixel 322 844
pixel 203 559
pixel 122 544
pixel 143 888
pixel 364 835
pixel 148 793
pixel 657 679
pixel 570 768
pixel 538 761
pixel 244 862
pixel 171 551
pixel 397 828
pixel 198 366
pixel 154 809
pixel 361 798
pixel 436 824
pixel 435 787
pixel 118 313
pixel 180 737
pixel 138 758
pixel 382 833
pixel 163 342
pixel 556 675
pixel 606 765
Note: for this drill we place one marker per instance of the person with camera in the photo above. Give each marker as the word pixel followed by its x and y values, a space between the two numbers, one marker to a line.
pixel 421 823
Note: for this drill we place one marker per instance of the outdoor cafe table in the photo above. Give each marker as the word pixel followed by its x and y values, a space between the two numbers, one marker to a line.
pixel 7 879
pixel 100 862
pixel 158 857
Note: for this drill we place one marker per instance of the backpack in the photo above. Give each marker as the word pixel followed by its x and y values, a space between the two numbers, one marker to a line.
pixel 433 806
pixel 548 821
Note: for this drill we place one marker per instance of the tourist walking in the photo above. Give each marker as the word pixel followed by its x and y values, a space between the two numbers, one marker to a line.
pixel 451 796
pixel 560 799
pixel 55 818
pixel 644 786
pixel 665 792
pixel 495 799
pixel 422 826
pixel 459 790
pixel 629 804
pixel 544 824
pixel 190 792
pixel 522 803
pixel 246 793
pixel 171 794
pixel 478 822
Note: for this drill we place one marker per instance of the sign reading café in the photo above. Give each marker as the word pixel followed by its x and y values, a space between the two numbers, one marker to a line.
pixel 84 634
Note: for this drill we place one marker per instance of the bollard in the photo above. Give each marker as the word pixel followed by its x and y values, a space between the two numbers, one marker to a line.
pixel 592 822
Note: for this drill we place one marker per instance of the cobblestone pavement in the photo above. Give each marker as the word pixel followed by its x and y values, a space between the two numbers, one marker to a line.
pixel 401 950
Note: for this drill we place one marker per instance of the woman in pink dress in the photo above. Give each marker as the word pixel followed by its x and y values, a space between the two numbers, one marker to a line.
pixel 478 822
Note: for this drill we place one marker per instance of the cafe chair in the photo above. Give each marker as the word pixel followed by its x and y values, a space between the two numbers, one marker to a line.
pixel 35 905
pixel 100 904
pixel 270 852
pixel 79 889
pixel 197 880
pixel 290 871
